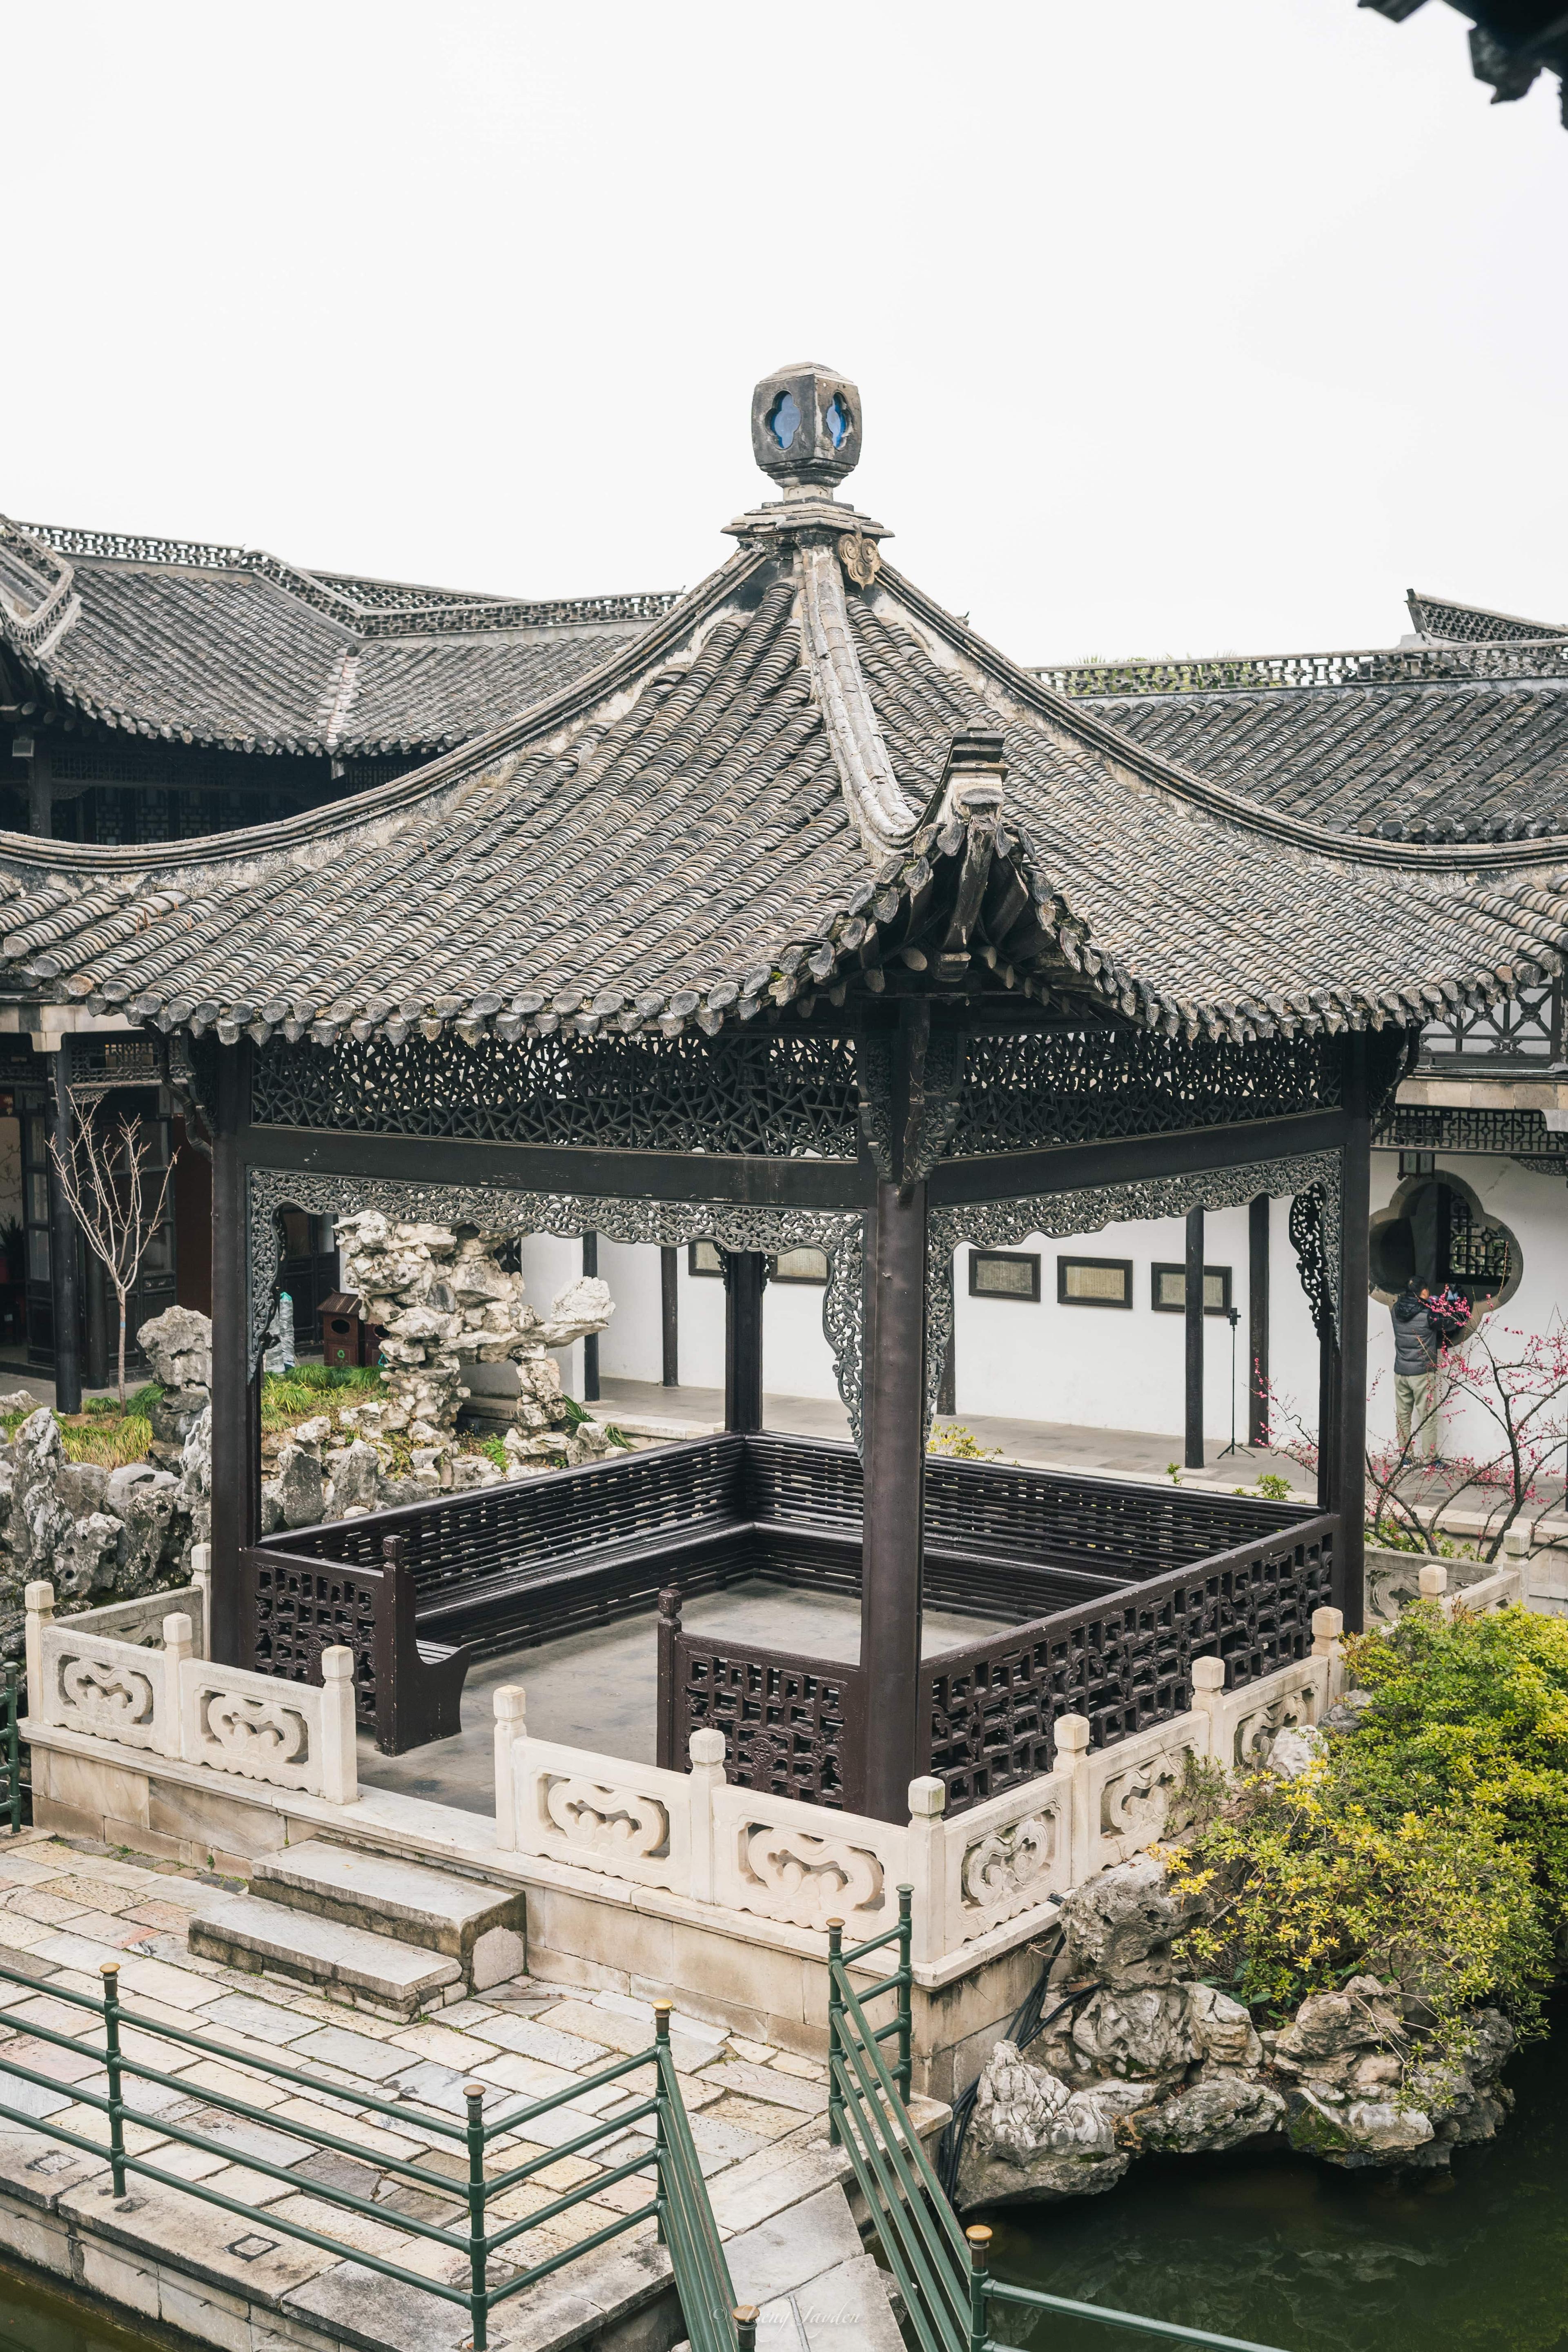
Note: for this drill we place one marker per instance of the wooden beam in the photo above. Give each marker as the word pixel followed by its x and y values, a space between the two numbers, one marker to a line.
pixel 1131 1159
pixel 751 1182
pixel 1193 1296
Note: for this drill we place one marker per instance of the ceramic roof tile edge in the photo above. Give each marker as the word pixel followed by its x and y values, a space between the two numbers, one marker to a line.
pixel 1082 723
pixel 1529 925
pixel 452 767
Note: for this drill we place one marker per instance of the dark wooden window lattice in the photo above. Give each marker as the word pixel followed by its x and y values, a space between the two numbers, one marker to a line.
pixel 1523 1028
pixel 769 1094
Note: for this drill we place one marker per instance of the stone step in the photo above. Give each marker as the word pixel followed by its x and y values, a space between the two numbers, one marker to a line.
pixel 480 1927
pixel 367 1971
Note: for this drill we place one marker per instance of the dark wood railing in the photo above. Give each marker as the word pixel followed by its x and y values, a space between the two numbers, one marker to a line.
pixel 1050 1556
pixel 407 1690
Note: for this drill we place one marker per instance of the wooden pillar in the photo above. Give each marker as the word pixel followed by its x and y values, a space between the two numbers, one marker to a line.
pixel 1350 1469
pixel 745 1270
pixel 1257 1320
pixel 591 1344
pixel 64 1289
pixel 234 1425
pixel 1193 1455
pixel 894 1446
pixel 669 1317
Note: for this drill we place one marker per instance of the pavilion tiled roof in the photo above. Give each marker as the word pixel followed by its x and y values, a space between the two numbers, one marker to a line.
pixel 226 647
pixel 763 795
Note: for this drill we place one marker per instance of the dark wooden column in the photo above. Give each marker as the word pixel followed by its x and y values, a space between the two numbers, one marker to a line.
pixel 40 790
pixel 895 1467
pixel 746 1272
pixel 65 1289
pixel 234 1430
pixel 1257 1320
pixel 101 1352
pixel 591 1344
pixel 669 1317
pixel 1193 1455
pixel 1350 1466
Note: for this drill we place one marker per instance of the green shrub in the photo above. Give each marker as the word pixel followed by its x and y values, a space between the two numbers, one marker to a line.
pixel 1430 1846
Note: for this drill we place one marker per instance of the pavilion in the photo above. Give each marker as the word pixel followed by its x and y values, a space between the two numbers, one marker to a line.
pixel 802 917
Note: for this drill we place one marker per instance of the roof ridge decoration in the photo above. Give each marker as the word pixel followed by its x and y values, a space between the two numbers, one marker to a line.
pixel 1454 624
pixel 1451 663
pixel 380 609
pixel 805 433
pixel 35 628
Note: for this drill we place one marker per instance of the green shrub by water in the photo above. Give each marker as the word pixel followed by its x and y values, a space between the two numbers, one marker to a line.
pixel 1429 1847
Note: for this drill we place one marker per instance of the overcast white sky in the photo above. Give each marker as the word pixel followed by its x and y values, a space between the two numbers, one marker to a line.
pixel 1181 325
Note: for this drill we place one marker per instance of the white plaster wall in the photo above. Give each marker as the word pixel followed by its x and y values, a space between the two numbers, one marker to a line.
pixel 633 1347
pixel 1535 1208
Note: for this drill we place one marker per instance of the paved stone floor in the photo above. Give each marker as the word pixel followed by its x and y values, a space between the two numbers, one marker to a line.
pixel 758 2115
pixel 599 1689
pixel 1047 1445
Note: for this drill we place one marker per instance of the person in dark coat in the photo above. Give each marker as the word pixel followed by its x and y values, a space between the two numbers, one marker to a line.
pixel 1417 1346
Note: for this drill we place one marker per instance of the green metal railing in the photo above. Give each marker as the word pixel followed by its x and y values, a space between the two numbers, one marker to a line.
pixel 677 2203
pixel 942 2270
pixel 11 1792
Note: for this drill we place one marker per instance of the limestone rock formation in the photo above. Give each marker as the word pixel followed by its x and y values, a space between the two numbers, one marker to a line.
pixel 178 1346
pixel 455 1326
pixel 1139 2059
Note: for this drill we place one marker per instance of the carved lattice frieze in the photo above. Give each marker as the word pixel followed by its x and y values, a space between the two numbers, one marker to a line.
pixel 1024 1093
pixel 840 1233
pixel 774 1095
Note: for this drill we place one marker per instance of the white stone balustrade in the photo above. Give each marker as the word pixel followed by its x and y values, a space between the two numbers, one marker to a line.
pixel 169 1701
pixel 801 1865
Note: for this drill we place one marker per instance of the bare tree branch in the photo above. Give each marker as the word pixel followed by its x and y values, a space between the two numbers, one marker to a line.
pixel 104 1176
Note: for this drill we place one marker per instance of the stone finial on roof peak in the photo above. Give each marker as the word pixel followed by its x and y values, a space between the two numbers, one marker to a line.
pixel 805 428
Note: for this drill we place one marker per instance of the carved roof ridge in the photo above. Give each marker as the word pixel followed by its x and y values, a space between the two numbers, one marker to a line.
pixel 882 815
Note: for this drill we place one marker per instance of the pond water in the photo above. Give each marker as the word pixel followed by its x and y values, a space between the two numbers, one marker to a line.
pixel 1286 2252
pixel 34 2320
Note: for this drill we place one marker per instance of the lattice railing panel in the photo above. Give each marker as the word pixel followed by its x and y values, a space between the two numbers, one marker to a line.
pixel 1125 1663
pixel 1524 1028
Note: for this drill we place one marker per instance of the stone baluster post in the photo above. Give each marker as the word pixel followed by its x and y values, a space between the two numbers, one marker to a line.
pixel 1327 1625
pixel 1208 1691
pixel 707 1749
pixel 40 1601
pixel 202 1577
pixel 511 1724
pixel 928 1866
pixel 1072 1761
pixel 178 1646
pixel 340 1759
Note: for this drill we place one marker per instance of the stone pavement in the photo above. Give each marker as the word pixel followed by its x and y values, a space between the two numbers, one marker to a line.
pixel 758 2118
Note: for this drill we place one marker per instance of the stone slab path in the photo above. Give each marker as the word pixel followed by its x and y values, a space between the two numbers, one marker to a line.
pixel 758 2118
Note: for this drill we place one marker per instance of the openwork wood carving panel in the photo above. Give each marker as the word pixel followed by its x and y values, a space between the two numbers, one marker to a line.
pixel 1022 1093
pixel 771 1095
pixel 294 1613
pixel 839 1232
pixel 1125 1663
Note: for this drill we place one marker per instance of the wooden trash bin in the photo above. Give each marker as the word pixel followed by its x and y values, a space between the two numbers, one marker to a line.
pixel 345 1340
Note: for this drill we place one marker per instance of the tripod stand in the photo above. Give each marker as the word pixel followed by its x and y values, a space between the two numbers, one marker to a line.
pixel 1232 1315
